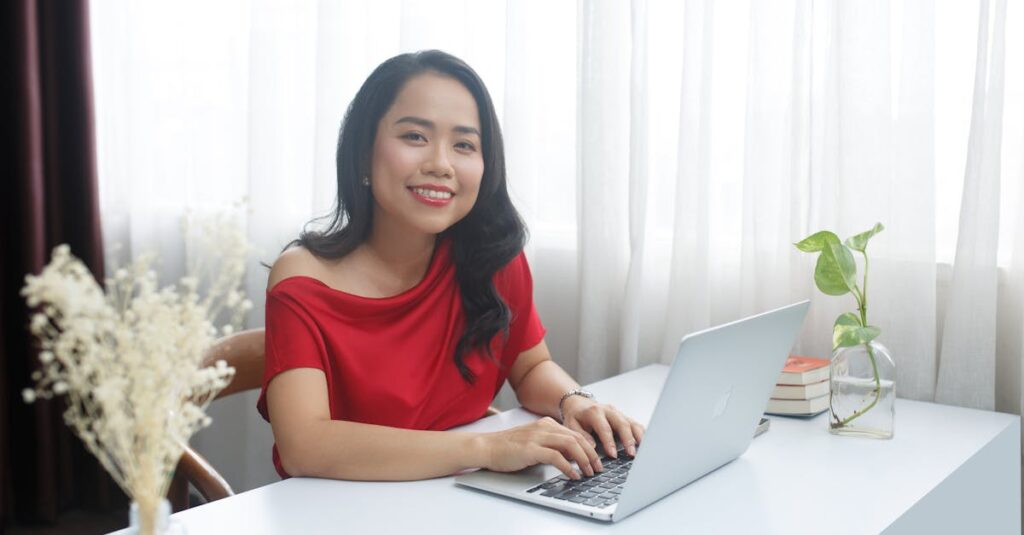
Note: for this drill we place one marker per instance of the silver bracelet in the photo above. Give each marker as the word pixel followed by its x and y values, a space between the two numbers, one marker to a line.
pixel 565 396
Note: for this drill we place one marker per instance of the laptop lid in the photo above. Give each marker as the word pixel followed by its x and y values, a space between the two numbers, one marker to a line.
pixel 715 393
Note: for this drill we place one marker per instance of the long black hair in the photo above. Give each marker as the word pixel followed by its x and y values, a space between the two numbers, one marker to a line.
pixel 484 241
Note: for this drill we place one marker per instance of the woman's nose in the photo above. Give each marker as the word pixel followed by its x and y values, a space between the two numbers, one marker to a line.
pixel 438 164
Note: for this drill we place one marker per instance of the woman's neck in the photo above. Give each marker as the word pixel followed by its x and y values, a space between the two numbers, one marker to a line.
pixel 406 255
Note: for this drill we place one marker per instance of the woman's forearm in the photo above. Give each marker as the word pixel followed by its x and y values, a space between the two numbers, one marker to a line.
pixel 543 386
pixel 356 451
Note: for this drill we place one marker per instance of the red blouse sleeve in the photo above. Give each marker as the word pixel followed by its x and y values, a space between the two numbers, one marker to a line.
pixel 515 284
pixel 293 340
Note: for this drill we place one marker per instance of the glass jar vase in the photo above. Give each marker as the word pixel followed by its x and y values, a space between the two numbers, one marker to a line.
pixel 862 402
pixel 163 523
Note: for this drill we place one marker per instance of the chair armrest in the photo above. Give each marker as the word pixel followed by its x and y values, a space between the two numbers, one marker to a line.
pixel 193 468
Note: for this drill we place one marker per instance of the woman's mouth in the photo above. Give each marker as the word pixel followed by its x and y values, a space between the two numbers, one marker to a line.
pixel 431 196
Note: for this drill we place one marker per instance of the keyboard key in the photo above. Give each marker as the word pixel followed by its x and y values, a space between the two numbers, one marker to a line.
pixel 577 499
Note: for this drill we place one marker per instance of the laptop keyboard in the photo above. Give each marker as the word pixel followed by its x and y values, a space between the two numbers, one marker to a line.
pixel 600 490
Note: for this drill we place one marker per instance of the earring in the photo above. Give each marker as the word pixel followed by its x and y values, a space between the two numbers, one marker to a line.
pixel 366 180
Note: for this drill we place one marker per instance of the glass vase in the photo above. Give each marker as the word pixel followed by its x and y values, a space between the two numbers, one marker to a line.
pixel 163 524
pixel 862 379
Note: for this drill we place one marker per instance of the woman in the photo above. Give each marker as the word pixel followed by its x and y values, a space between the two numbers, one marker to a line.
pixel 407 314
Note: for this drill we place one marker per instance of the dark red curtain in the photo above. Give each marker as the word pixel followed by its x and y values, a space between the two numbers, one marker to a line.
pixel 48 197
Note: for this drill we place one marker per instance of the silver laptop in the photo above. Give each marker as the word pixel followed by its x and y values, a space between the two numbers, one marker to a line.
pixel 709 407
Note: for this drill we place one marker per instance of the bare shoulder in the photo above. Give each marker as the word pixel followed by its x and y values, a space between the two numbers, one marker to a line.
pixel 296 262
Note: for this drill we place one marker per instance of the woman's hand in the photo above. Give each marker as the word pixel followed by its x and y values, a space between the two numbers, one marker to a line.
pixel 544 441
pixel 586 416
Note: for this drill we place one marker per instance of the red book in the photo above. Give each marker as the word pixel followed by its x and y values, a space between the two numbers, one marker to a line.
pixel 803 371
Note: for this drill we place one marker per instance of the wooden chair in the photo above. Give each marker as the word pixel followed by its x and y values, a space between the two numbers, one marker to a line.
pixel 243 351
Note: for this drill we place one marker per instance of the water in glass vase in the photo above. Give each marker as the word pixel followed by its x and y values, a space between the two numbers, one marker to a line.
pixel 863 391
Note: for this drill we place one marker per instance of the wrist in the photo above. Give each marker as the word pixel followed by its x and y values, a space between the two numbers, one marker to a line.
pixel 478 450
pixel 573 401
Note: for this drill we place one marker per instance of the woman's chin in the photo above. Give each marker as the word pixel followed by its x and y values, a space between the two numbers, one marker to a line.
pixel 434 225
pixel 431 227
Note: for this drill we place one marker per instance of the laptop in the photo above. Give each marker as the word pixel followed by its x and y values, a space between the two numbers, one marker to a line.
pixel 709 407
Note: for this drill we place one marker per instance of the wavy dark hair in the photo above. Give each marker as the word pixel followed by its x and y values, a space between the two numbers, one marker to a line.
pixel 484 241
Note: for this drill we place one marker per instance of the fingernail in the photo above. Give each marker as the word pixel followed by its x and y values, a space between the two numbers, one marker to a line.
pixel 576 475
pixel 600 467
pixel 632 451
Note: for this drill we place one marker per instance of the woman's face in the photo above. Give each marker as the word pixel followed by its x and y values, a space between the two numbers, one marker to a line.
pixel 427 162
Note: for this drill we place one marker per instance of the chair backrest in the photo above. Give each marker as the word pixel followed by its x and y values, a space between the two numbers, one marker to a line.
pixel 244 351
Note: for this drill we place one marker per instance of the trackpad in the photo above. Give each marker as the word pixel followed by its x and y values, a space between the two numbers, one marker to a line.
pixel 509 482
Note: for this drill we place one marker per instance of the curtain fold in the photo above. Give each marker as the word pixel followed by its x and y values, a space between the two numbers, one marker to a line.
pixel 629 349
pixel 691 252
pixel 967 373
pixel 49 197
pixel 603 123
pixel 911 259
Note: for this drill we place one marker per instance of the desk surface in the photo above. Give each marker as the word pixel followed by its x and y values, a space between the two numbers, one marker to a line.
pixel 797 478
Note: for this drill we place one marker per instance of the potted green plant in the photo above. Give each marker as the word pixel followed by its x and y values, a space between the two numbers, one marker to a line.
pixel 862 374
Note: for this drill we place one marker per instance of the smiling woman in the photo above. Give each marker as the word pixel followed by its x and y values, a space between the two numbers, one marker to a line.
pixel 433 160
pixel 408 313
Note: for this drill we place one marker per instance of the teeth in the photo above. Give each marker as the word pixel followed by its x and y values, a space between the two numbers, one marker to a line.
pixel 432 194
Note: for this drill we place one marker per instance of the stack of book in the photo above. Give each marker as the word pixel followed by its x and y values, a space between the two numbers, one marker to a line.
pixel 802 389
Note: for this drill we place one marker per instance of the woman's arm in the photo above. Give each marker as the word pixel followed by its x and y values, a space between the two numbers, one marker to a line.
pixel 540 383
pixel 311 444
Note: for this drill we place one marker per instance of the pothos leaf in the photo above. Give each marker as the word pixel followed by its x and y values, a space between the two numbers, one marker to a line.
pixel 836 271
pixel 817 241
pixel 850 335
pixel 860 241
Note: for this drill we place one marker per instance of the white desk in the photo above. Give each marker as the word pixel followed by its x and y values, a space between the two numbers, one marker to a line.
pixel 948 470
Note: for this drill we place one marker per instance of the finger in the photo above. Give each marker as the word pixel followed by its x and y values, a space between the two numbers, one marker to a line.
pixel 575 426
pixel 548 421
pixel 624 430
pixel 604 432
pixel 555 458
pixel 589 449
pixel 573 450
pixel 638 430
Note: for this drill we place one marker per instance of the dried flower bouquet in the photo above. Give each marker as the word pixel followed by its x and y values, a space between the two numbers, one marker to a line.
pixel 127 359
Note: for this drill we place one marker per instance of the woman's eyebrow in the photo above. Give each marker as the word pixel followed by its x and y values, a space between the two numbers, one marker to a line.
pixel 427 123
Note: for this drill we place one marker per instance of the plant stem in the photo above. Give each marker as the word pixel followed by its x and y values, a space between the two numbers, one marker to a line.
pixel 878 389
pixel 862 306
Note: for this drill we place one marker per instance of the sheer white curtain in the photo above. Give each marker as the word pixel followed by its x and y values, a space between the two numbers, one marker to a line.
pixel 665 154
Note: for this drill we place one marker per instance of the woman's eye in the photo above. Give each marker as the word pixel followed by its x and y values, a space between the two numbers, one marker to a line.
pixel 465 145
pixel 414 136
